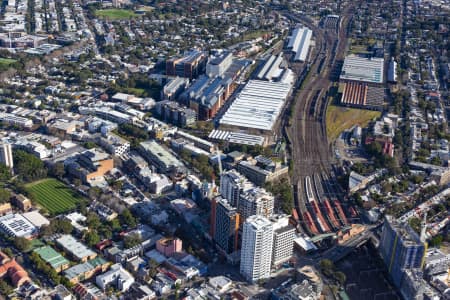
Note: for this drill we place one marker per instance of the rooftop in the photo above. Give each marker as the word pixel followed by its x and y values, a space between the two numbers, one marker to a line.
pixel 77 249
pixel 51 257
pixel 258 105
pixel 363 69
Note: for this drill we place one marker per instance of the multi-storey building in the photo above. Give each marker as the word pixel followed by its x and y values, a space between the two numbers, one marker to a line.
pixel 6 156
pixel 256 201
pixel 401 249
pixel 256 251
pixel 283 239
pixel 232 184
pixel 189 66
pixel 225 225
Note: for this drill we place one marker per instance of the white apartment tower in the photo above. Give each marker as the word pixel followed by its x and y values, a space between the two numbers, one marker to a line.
pixel 256 251
pixel 283 239
pixel 256 201
pixel 6 156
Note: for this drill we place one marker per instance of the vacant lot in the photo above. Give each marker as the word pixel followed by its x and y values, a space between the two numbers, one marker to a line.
pixel 53 195
pixel 341 118
pixel 115 14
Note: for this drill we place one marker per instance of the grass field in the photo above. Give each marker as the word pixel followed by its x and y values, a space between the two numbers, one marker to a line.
pixel 6 61
pixel 115 14
pixel 53 195
pixel 341 118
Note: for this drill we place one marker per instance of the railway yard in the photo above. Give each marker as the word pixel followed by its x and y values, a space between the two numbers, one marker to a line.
pixel 318 197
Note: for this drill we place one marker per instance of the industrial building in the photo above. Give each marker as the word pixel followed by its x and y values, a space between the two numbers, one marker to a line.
pixel 6 156
pixel 299 43
pixel 275 69
pixel 392 71
pixel 361 69
pixel 256 251
pixel 257 106
pixel 236 137
pixel 362 81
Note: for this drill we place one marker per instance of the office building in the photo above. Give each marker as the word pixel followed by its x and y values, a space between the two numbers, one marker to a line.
pixel 283 239
pixel 225 225
pixel 232 184
pixel 6 156
pixel 173 113
pixel 190 66
pixel 218 64
pixel 401 249
pixel 256 251
pixel 89 165
pixel 256 201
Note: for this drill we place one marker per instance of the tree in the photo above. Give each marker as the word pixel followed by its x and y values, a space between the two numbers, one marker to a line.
pixel 5 288
pixel 326 266
pixel 436 241
pixel 93 221
pixel 340 277
pixel 91 238
pixel 58 170
pixel 28 166
pixel 415 224
pixel 8 252
pixel 5 195
pixel 22 243
pixel 64 226
pixel 132 240
pixel 127 218
pixel 5 173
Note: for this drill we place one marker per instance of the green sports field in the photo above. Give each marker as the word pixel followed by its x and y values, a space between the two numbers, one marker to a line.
pixel 53 195
pixel 115 14
pixel 6 61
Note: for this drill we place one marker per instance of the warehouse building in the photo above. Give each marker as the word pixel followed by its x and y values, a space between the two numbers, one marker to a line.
pixel 362 81
pixel 299 43
pixel 257 107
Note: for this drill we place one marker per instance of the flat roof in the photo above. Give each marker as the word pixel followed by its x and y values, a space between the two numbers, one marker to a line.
pixel 36 218
pixel 51 257
pixel 258 105
pixel 17 225
pixel 75 248
pixel 163 155
pixel 363 69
